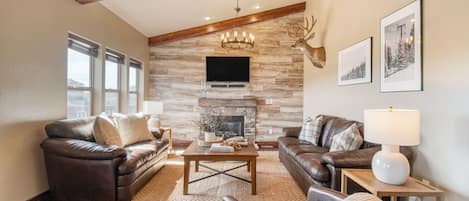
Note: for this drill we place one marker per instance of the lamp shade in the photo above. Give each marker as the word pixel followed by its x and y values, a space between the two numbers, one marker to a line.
pixel 392 126
pixel 152 107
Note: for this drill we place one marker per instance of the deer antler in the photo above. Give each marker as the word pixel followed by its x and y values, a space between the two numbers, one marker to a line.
pixel 294 30
pixel 309 28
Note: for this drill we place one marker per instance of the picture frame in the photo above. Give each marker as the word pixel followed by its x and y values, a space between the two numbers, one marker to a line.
pixel 355 63
pixel 401 49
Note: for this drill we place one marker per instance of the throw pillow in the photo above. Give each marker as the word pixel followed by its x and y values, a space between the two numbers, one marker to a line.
pixel 311 130
pixel 132 128
pixel 362 197
pixel 348 140
pixel 105 132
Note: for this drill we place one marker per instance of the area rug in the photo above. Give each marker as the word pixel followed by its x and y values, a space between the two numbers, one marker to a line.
pixel 273 182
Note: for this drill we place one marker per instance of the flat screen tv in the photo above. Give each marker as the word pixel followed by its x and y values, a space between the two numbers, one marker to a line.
pixel 227 69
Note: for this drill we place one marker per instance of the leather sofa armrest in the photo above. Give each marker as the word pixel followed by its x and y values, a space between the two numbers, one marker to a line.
pixel 360 158
pixel 291 132
pixel 81 149
pixel 319 193
pixel 350 159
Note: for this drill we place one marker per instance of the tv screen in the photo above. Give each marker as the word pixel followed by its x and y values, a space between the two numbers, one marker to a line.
pixel 227 69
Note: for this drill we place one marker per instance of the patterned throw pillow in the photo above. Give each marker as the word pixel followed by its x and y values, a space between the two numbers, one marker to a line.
pixel 105 132
pixel 348 140
pixel 311 130
pixel 362 197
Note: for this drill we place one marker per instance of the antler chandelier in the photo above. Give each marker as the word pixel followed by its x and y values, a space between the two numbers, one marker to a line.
pixel 234 40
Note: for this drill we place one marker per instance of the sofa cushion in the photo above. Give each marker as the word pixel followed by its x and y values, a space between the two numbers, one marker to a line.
pixel 80 129
pixel 294 150
pixel 311 162
pixel 284 142
pixel 140 153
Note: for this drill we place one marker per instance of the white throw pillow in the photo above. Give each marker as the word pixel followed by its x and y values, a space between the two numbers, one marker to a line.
pixel 362 197
pixel 348 140
pixel 105 132
pixel 311 130
pixel 132 128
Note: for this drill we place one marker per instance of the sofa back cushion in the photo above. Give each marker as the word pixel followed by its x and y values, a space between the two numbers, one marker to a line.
pixel 334 125
pixel 80 129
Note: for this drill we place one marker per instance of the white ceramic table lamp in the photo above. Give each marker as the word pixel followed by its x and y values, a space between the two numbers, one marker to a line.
pixel 153 108
pixel 392 128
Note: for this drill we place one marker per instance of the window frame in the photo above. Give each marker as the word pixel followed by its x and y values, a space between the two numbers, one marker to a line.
pixel 92 54
pixel 120 63
pixel 137 65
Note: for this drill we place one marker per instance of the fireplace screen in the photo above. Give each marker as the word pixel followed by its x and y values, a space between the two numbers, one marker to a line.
pixel 231 126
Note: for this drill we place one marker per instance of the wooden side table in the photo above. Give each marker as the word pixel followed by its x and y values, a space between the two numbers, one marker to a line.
pixel 170 133
pixel 366 179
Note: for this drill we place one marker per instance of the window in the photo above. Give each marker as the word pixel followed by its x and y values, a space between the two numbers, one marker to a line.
pixel 134 78
pixel 80 55
pixel 112 72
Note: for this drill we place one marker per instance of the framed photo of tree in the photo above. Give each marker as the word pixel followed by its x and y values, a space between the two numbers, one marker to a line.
pixel 355 63
pixel 401 50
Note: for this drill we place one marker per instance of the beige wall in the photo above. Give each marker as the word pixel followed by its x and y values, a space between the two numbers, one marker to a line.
pixel 443 154
pixel 33 44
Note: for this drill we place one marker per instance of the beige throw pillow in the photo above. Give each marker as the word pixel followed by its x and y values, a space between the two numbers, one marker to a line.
pixel 105 132
pixel 348 140
pixel 132 128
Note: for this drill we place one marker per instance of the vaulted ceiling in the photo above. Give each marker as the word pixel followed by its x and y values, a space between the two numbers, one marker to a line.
pixel 156 17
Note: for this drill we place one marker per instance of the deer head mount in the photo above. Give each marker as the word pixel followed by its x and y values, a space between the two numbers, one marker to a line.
pixel 316 55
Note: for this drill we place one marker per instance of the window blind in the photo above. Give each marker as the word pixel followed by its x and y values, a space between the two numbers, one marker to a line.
pixel 135 64
pixel 114 56
pixel 82 45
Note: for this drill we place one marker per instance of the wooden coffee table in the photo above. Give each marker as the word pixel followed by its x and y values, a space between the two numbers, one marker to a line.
pixel 196 153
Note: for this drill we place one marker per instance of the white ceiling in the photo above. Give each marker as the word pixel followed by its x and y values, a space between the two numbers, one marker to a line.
pixel 155 17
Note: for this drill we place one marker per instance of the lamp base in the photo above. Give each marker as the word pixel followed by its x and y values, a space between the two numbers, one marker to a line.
pixel 390 166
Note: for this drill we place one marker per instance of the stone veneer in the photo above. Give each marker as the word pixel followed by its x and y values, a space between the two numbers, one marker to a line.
pixel 177 70
pixel 232 107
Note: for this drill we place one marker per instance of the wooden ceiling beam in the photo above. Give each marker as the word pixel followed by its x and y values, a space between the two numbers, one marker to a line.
pixel 226 24
pixel 86 1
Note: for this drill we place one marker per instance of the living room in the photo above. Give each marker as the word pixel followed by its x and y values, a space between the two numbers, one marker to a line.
pixel 158 59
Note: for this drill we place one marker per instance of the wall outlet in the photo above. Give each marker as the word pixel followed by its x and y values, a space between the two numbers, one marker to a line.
pixel 271 131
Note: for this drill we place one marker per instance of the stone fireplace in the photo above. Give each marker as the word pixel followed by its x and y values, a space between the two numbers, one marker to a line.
pixel 237 116
pixel 231 126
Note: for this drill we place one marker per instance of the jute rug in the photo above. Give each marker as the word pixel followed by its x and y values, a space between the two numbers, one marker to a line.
pixel 273 182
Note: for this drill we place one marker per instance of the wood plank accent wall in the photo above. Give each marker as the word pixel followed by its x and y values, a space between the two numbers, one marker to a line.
pixel 177 70
pixel 227 24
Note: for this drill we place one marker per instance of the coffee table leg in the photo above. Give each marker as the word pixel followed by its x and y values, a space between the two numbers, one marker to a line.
pixel 253 177
pixel 187 164
pixel 248 166
pixel 196 166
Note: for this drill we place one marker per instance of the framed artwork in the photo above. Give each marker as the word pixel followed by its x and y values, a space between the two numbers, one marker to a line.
pixel 355 63
pixel 401 51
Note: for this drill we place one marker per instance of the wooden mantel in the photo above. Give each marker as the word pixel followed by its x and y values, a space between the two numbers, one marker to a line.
pixel 226 24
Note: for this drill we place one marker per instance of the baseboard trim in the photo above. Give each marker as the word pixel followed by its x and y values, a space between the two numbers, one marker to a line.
pixel 44 196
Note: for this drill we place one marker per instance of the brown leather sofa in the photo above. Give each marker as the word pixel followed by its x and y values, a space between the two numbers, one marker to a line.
pixel 78 169
pixel 315 165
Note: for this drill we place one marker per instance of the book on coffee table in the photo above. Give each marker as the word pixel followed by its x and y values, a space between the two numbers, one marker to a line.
pixel 221 148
